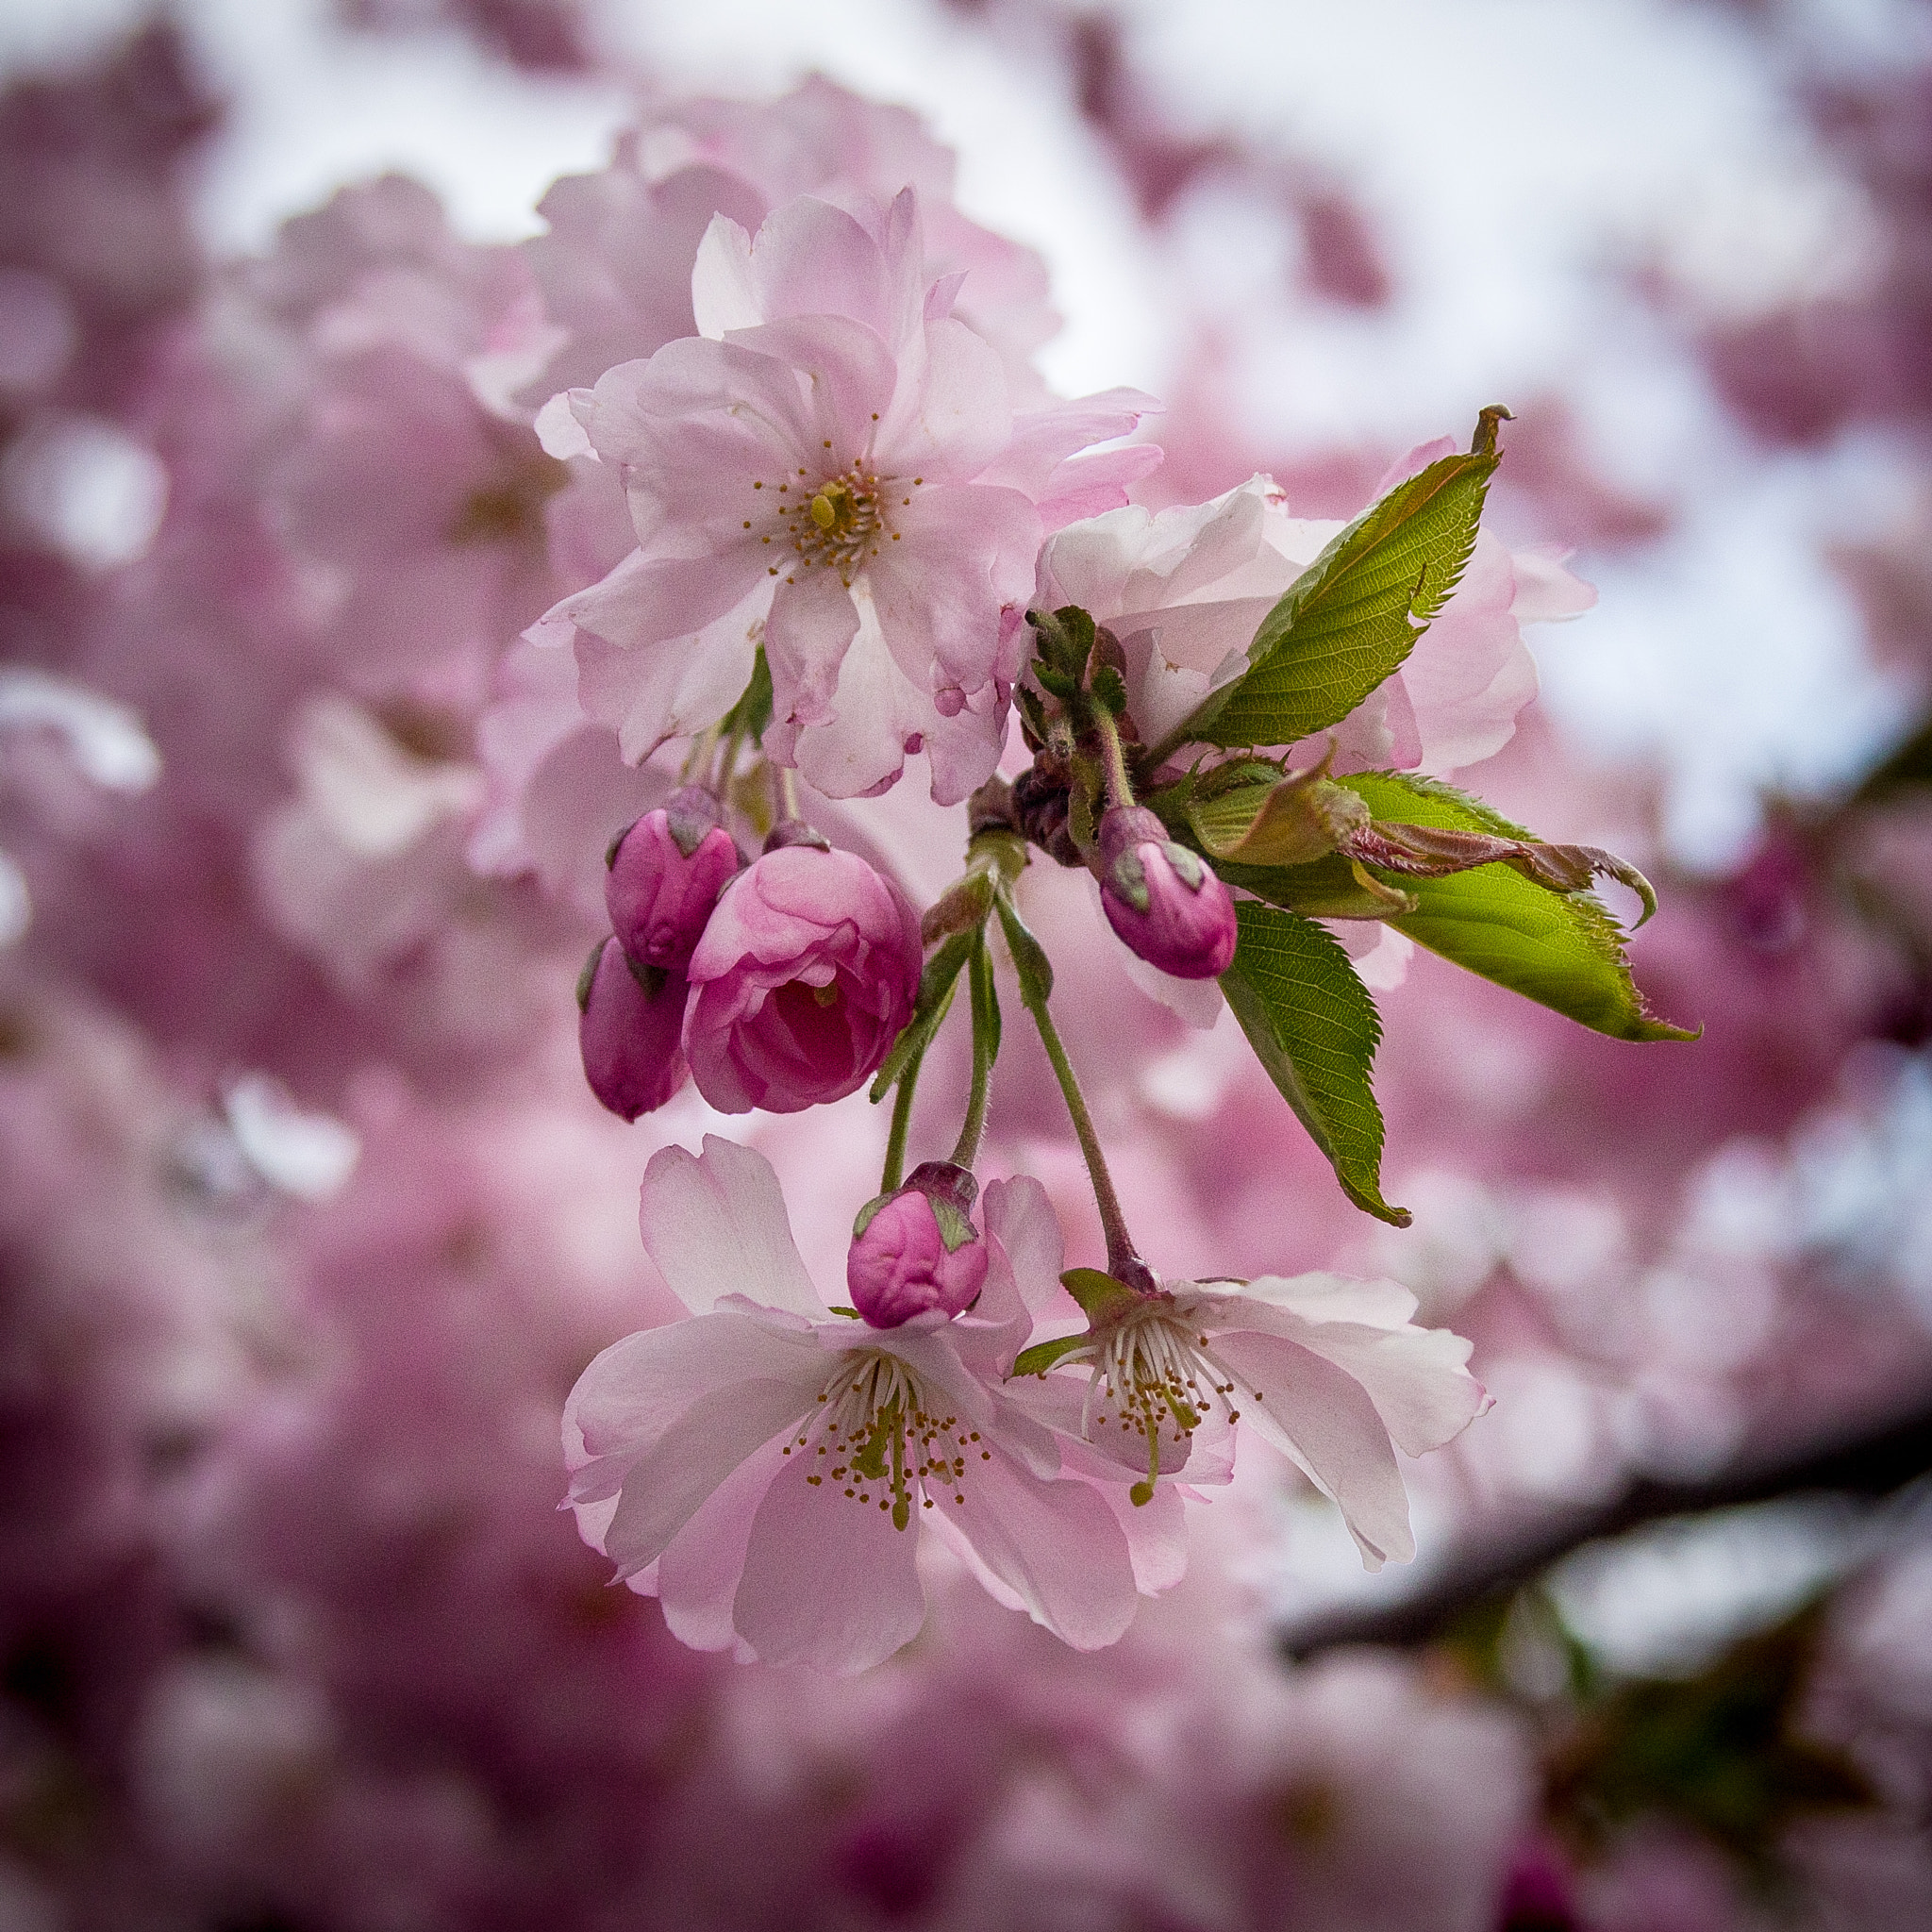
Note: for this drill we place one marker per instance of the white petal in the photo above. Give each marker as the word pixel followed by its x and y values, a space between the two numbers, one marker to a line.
pixel 1321 1417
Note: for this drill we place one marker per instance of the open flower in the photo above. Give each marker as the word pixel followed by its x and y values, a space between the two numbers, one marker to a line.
pixel 1185 590
pixel 832 465
pixel 1334 1373
pixel 763 1467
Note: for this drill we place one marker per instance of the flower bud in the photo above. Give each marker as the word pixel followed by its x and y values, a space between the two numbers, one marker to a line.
pixel 804 976
pixel 917 1249
pixel 665 875
pixel 632 1019
pixel 1165 903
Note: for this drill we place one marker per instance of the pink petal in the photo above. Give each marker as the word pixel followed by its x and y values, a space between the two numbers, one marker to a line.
pixel 827 1580
pixel 1056 1545
pixel 1019 1215
pixel 699 1571
pixel 716 1225
pixel 812 259
pixel 637 1388
pixel 812 621
pixel 666 1483
pixel 724 296
pixel 1417 1378
pixel 963 554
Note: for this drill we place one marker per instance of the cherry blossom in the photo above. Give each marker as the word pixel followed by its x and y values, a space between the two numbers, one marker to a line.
pixel 1333 1373
pixel 761 1466
pixel 833 468
pixel 804 976
pixel 1184 589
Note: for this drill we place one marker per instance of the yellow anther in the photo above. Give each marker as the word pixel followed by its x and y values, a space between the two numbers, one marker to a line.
pixel 823 512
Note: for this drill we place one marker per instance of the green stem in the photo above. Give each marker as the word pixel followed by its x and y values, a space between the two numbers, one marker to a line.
pixel 1123 1262
pixel 902 1122
pixel 985 1047
pixel 786 780
pixel 1120 788
pixel 727 767
pixel 699 755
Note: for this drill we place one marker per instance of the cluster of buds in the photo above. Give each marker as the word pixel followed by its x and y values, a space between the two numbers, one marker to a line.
pixel 779 984
pixel 1076 803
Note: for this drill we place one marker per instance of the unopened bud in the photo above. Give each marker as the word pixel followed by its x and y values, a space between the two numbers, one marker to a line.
pixel 665 875
pixel 917 1249
pixel 1162 900
pixel 632 1019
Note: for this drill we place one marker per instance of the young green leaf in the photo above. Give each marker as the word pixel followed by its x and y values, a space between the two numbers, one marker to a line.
pixel 1562 949
pixel 1029 956
pixel 1315 1030
pixel 1348 621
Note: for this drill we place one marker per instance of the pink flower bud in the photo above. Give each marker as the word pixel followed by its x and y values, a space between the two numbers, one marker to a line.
pixel 666 873
pixel 1163 901
pixel 632 1017
pixel 917 1250
pixel 806 975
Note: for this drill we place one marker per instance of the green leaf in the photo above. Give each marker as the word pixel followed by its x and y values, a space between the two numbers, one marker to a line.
pixel 1330 887
pixel 1348 621
pixel 1315 1030
pixel 1561 949
pixel 1043 1355
pixel 936 985
pixel 986 1002
pixel 1029 956
pixel 752 713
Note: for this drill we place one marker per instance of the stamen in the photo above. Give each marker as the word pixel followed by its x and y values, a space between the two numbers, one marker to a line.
pixel 1156 1372
pixel 873 1417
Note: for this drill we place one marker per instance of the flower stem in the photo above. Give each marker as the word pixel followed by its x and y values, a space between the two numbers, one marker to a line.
pixel 1123 1262
pixel 1120 788
pixel 986 1046
pixel 701 746
pixel 727 766
pixel 785 782
pixel 902 1121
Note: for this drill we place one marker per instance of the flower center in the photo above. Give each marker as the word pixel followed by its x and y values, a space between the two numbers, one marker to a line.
pixel 1156 1372
pixel 878 1437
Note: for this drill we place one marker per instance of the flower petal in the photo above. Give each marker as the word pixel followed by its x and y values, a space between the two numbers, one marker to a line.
pixel 666 1485
pixel 827 1580
pixel 637 1388
pixel 1321 1416
pixel 716 1225
pixel 1057 1545
pixel 699 1571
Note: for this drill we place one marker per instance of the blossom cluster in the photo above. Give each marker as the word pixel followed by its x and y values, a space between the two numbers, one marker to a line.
pixel 457 648
pixel 864 531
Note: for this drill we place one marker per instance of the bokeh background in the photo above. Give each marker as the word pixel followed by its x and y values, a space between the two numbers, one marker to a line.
pixel 306 1224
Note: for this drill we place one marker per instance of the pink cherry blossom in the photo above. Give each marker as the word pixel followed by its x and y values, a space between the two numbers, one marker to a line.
pixel 804 978
pixel 834 466
pixel 1333 1373
pixel 760 1467
pixel 615 265
pixel 1185 590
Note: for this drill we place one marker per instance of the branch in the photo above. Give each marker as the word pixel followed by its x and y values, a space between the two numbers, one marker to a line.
pixel 1881 1457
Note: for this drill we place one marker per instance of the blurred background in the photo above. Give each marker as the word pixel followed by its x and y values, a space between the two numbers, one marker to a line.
pixel 306 1224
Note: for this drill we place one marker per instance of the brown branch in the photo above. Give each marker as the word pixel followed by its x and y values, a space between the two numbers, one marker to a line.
pixel 1874 1461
